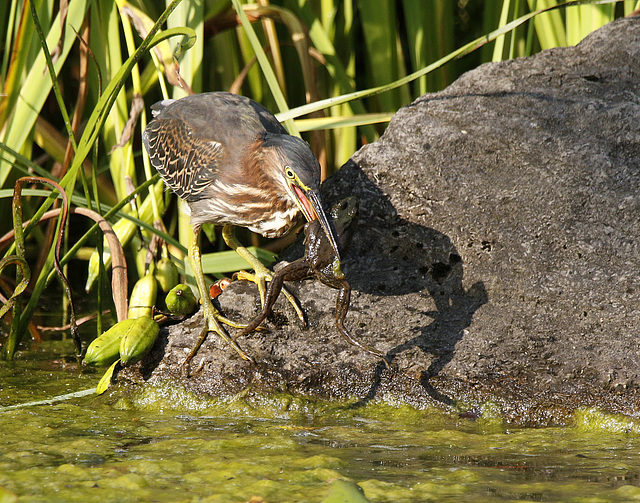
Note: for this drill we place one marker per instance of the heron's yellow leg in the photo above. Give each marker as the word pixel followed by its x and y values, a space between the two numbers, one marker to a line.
pixel 262 274
pixel 212 317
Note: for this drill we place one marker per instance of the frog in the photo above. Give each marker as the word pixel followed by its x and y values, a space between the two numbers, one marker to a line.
pixel 321 262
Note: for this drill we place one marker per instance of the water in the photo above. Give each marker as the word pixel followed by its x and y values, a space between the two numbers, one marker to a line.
pixel 146 447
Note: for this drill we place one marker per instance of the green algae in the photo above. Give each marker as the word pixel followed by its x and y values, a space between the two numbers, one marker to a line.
pixel 594 420
pixel 165 396
pixel 157 443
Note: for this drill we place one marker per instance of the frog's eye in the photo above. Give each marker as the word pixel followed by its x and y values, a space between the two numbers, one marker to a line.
pixel 289 172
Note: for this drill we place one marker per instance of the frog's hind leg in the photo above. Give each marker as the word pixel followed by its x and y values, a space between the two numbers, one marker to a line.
pixel 276 285
pixel 342 306
pixel 261 273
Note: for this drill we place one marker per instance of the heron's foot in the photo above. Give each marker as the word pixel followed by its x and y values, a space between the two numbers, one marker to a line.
pixel 230 323
pixel 212 323
pixel 223 319
pixel 260 277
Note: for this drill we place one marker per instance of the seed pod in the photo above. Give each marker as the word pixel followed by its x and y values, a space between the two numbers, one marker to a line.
pixel 138 340
pixel 166 274
pixel 180 300
pixel 105 349
pixel 143 297
pixel 142 268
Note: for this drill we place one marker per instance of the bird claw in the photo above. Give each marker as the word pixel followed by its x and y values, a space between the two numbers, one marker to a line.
pixel 212 320
pixel 223 319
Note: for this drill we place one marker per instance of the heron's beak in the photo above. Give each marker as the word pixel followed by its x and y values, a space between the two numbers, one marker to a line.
pixel 309 202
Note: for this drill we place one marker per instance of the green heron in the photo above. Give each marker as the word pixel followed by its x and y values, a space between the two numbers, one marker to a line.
pixel 234 164
pixel 317 263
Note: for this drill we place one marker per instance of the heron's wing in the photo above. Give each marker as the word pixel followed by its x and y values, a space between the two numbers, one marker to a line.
pixel 188 163
pixel 232 118
pixel 191 138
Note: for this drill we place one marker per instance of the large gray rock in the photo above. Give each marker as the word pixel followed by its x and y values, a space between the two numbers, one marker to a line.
pixel 496 258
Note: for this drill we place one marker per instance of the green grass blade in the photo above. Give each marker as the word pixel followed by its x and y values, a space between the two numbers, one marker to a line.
pixel 341 76
pixel 268 72
pixel 631 6
pixel 336 121
pixel 32 97
pixel 8 22
pixel 458 53
pixel 52 74
pixel 439 41
pixel 190 14
pixel 22 163
pixel 418 17
pixel 549 26
pixel 498 49
pixel 226 57
pixel 380 35
pixel 92 129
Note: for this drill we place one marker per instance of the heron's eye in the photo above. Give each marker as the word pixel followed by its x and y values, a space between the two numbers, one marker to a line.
pixel 289 172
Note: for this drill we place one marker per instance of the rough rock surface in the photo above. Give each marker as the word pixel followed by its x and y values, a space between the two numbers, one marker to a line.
pixel 497 255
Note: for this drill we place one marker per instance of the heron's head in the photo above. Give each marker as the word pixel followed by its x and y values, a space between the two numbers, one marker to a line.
pixel 298 171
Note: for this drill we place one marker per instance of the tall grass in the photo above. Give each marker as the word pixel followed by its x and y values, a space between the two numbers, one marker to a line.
pixel 75 86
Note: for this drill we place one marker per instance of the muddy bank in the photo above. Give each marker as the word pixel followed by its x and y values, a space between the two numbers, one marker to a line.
pixel 496 257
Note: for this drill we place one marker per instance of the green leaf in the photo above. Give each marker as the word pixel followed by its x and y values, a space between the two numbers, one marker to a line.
pixel 229 260
pixel 106 379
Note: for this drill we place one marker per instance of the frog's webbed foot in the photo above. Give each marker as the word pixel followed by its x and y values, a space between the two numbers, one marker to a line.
pixel 260 275
pixel 361 345
pixel 272 295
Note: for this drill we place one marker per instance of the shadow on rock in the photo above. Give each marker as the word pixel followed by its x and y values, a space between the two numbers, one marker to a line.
pixel 393 258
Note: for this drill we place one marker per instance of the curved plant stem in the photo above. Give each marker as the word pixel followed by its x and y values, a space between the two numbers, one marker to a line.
pixel 119 280
pixel 63 212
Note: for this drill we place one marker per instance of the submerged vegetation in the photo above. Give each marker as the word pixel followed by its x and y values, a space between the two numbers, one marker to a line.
pixel 77 79
pixel 142 446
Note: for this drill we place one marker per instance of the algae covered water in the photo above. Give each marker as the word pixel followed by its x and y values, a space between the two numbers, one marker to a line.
pixel 160 445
